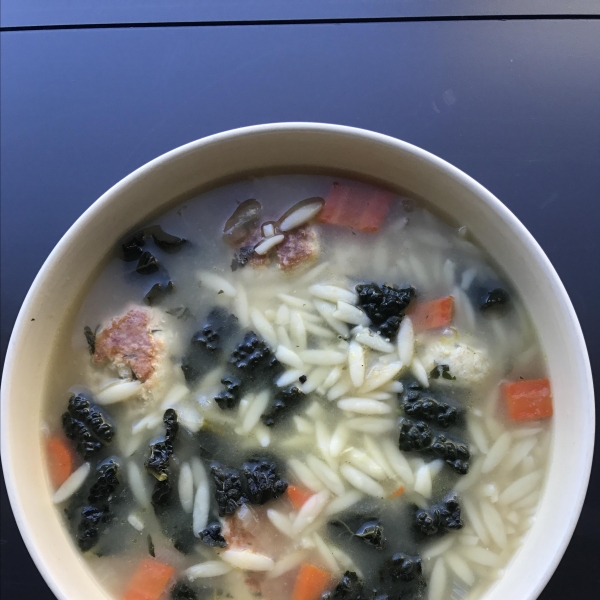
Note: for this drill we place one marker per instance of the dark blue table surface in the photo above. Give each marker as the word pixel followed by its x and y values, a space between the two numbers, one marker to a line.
pixel 515 104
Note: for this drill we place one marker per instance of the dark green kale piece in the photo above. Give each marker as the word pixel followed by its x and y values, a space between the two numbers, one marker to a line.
pixel 263 482
pixel 442 371
pixel 494 299
pixel 382 302
pixel 158 292
pixel 419 436
pixel 230 397
pixel 90 338
pixel 147 264
pixel 241 257
pixel 418 406
pixel 286 400
pixel 182 591
pixel 229 492
pixel 350 587
pixel 442 517
pixel 157 464
pixel 81 408
pixel 404 567
pixel 206 345
pixel 212 537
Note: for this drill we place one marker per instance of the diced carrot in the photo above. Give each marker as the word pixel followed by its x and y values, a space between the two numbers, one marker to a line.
pixel 433 314
pixel 360 208
pixel 60 460
pixel 528 400
pixel 297 495
pixel 310 583
pixel 149 581
pixel 396 493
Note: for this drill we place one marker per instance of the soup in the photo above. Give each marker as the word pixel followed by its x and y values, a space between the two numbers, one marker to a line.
pixel 299 387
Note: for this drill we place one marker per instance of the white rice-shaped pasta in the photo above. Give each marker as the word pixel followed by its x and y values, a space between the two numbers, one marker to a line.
pixel 305 475
pixel 190 418
pixel 370 424
pixel 118 392
pixel 309 511
pixel 216 283
pixel 295 302
pixel 519 452
pixel 242 309
pixel 318 331
pixel 344 502
pixel 397 461
pixel 263 327
pixel 494 523
pixel 520 488
pixel 438 581
pixel 333 293
pixel 262 435
pixel 288 377
pixel 247 560
pixel 339 389
pixel 474 518
pixel 128 445
pixel 322 357
pixel 467 278
pixel 283 337
pixel 526 432
pixel 344 560
pixel 449 272
pixel 361 481
pixel 305 211
pixel 361 460
pixel 373 340
pixel 270 314
pixel 309 317
pixel 174 396
pixel 528 502
pixel 423 482
pixel 378 395
pixel 350 314
pixel 480 556
pixel 303 425
pixel 283 315
pixel 326 555
pixel 138 485
pixel 338 440
pixel 323 439
pixel 393 387
pixel 72 484
pixel 364 406
pixel 460 567
pixel 281 521
pixel 497 452
pixel 135 522
pixel 201 508
pixel 438 548
pixel 286 564
pixel 406 341
pixel 210 568
pixel 315 412
pixel 256 408
pixel 380 374
pixel 329 478
pixel 268 244
pixel 297 331
pixel 356 363
pixel 314 273
pixel 288 357
pixel 418 370
pixel 373 449
pixel 148 422
pixel 478 435
pixel 326 310
pixel 314 379
pixel 185 487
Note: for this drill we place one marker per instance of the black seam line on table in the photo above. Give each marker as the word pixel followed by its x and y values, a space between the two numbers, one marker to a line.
pixel 508 17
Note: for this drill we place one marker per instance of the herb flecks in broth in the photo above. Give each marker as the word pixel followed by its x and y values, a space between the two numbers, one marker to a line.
pixel 311 388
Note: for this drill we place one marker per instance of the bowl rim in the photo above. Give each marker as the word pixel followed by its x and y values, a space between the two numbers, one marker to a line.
pixel 163 161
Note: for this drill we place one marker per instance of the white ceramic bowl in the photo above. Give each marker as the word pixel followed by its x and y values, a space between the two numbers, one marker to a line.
pixel 56 292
